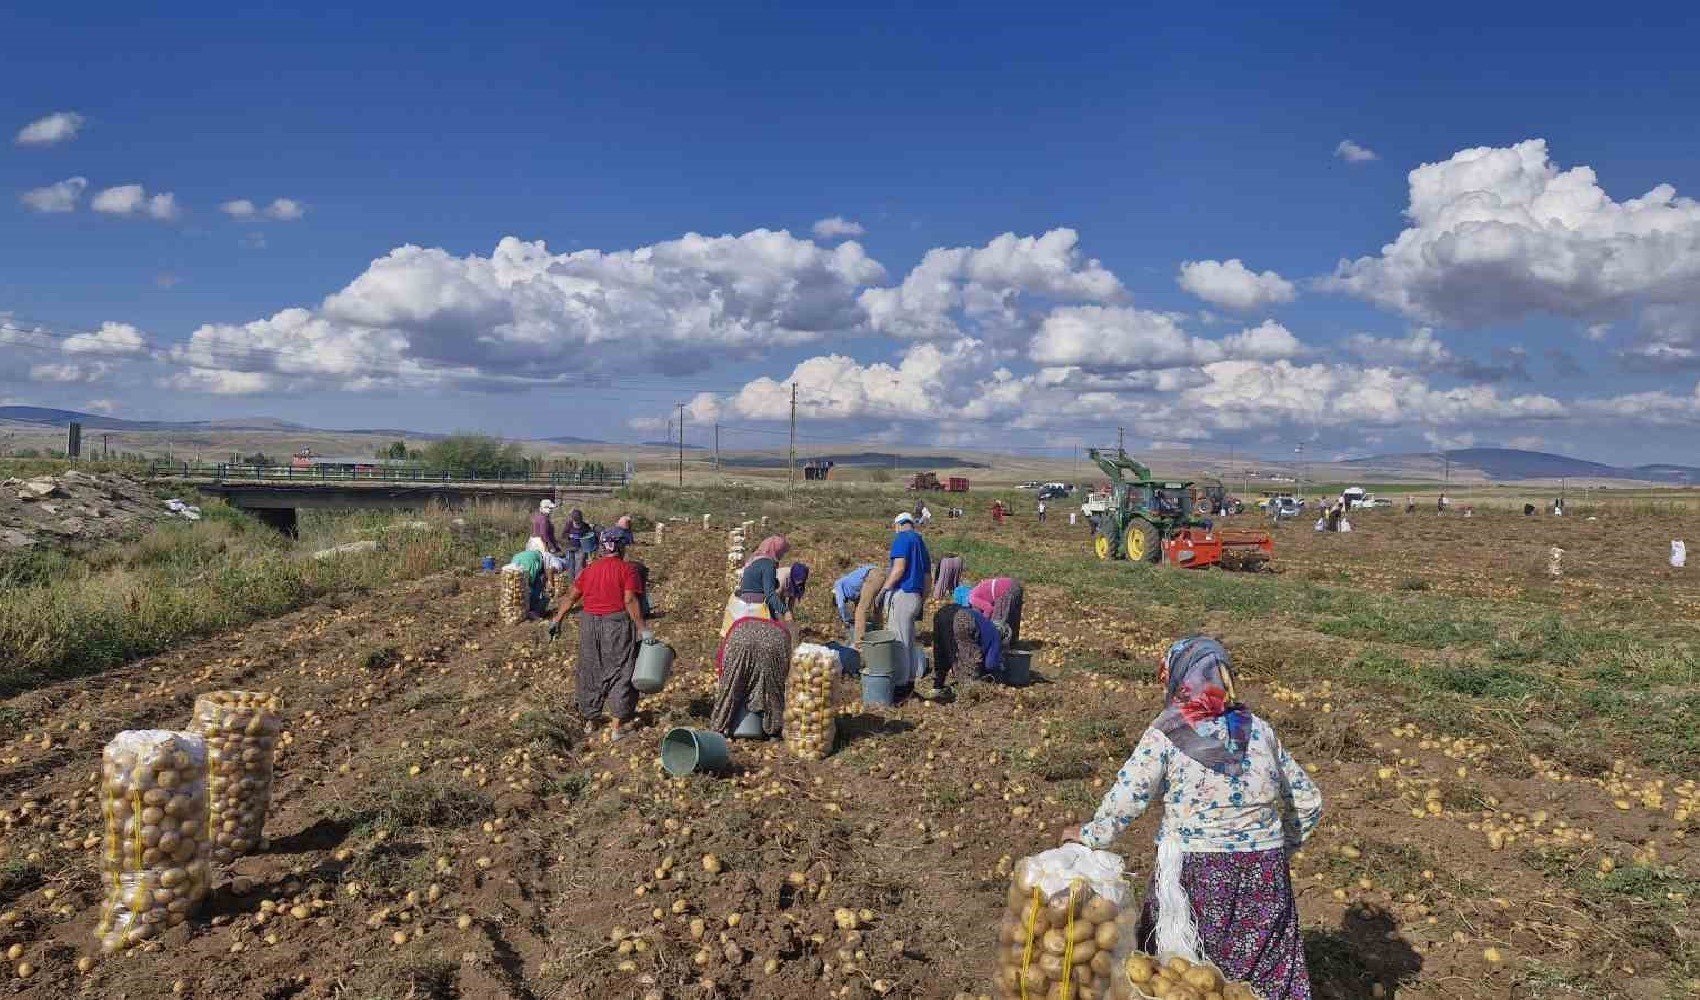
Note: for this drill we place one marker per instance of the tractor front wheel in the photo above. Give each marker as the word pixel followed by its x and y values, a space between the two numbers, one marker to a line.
pixel 1142 543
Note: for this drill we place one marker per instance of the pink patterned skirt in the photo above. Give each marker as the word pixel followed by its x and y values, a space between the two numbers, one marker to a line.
pixel 1247 917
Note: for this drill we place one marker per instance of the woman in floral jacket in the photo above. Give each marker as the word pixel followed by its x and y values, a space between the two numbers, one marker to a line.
pixel 1234 804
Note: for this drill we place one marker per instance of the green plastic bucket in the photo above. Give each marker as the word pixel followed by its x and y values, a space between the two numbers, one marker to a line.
pixel 880 650
pixel 688 751
pixel 1018 667
pixel 654 660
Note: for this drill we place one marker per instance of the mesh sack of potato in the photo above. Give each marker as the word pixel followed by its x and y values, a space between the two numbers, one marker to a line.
pixel 241 730
pixel 1066 914
pixel 513 597
pixel 811 718
pixel 1146 977
pixel 154 863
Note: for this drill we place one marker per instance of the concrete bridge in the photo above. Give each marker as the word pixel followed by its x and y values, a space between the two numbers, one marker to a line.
pixel 275 495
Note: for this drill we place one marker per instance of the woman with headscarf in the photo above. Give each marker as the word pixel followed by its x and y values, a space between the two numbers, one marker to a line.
pixel 949 576
pixel 609 629
pixel 793 581
pixel 999 599
pixel 1235 803
pixel 752 663
pixel 964 640
pixel 757 594
pixel 577 556
pixel 623 525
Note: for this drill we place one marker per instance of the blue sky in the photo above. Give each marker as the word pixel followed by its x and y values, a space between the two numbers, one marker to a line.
pixel 1156 137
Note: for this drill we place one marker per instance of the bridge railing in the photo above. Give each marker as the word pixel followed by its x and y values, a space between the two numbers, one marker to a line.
pixel 225 472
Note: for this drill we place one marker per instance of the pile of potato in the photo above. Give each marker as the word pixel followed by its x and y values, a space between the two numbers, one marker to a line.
pixel 512 605
pixel 1146 978
pixel 1061 946
pixel 241 730
pixel 811 720
pixel 154 863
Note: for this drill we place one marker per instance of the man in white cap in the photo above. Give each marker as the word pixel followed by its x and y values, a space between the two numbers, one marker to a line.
pixel 907 582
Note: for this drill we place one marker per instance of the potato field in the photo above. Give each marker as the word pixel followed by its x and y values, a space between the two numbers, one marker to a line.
pixel 1508 758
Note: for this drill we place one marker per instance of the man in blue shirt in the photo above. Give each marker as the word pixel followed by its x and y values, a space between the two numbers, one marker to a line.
pixel 908 581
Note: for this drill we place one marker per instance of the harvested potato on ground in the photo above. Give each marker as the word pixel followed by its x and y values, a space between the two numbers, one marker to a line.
pixel 155 860
pixel 241 730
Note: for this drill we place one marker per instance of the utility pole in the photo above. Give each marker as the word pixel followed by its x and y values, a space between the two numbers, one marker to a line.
pixel 717 446
pixel 681 444
pixel 1121 439
pixel 792 461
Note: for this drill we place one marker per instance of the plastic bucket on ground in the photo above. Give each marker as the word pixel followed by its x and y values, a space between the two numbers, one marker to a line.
pixel 1018 667
pixel 489 564
pixel 749 725
pixel 654 660
pixel 688 751
pixel 880 650
pixel 879 690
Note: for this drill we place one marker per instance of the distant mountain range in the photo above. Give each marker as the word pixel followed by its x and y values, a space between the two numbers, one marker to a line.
pixel 1513 463
pixel 49 417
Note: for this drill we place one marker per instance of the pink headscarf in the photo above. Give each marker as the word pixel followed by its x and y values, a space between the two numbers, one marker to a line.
pixel 772 547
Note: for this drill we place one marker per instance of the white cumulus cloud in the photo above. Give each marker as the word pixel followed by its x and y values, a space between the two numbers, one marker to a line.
pixel 285 209
pixel 239 208
pixel 70 372
pixel 61 196
pixel 133 200
pixel 60 126
pixel 1499 234
pixel 836 227
pixel 673 307
pixel 1122 337
pixel 1232 285
pixel 1351 152
pixel 111 338
pixel 987 292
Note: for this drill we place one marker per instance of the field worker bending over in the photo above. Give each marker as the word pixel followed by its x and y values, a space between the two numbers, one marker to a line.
pixel 906 584
pixel 999 598
pixel 531 564
pixel 608 633
pixel 751 666
pixel 757 594
pixel 964 639
pixel 1234 804
pixel 856 594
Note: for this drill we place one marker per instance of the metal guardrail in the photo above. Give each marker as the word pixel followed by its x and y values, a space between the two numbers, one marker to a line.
pixel 225 472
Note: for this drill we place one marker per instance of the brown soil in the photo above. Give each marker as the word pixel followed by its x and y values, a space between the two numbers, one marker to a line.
pixel 577 868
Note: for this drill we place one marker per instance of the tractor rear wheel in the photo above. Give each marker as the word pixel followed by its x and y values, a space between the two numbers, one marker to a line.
pixel 1141 542
pixel 1104 542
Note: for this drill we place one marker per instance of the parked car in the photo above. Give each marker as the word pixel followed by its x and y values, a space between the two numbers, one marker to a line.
pixel 1281 508
pixel 1378 502
pixel 1029 485
pixel 1051 491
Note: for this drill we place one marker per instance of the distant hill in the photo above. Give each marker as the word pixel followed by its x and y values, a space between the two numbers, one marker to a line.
pixel 94 421
pixel 1514 463
pixel 859 458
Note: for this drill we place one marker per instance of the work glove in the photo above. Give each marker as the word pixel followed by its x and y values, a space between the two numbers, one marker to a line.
pixel 554 630
pixel 648 635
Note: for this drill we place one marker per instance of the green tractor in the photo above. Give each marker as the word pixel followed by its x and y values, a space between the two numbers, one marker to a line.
pixel 1142 511
pixel 1152 520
